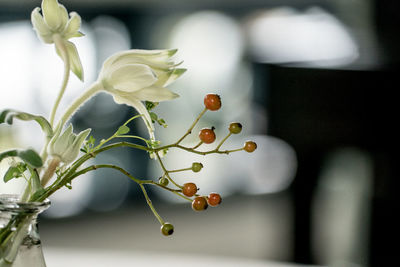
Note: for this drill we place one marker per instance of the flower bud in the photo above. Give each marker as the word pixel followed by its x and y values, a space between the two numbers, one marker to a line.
pixel 56 26
pixel 66 145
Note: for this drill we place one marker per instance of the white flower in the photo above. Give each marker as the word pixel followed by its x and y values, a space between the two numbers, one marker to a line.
pixel 66 146
pixel 134 76
pixel 55 26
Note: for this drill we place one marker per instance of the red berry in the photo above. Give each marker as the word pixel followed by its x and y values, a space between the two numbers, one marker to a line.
pixel 214 199
pixel 207 135
pixel 212 102
pixel 199 204
pixel 189 189
pixel 250 146
pixel 167 229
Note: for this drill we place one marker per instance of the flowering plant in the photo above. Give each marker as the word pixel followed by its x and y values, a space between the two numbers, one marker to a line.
pixel 137 78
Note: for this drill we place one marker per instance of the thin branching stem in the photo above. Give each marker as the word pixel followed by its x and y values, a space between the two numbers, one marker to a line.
pixel 223 140
pixel 166 171
pixel 192 126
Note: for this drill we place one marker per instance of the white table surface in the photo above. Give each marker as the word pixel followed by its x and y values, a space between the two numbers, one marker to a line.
pixel 67 257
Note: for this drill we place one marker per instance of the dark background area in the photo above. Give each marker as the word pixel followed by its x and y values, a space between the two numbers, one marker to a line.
pixel 315 110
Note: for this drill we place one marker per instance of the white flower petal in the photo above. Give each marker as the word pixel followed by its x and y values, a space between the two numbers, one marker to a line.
pixel 157 59
pixel 73 25
pixel 63 17
pixel 175 75
pixel 155 94
pixel 40 26
pixel 52 14
pixel 154 55
pixel 130 78
pixel 75 61
pixel 167 78
pixel 72 151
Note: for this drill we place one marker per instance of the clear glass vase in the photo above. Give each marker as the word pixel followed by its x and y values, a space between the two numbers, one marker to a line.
pixel 20 244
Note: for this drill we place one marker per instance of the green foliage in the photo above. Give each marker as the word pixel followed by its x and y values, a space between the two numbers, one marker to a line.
pixel 123 130
pixel 36 188
pixel 29 156
pixel 154 118
pixel 88 145
pixel 15 172
pixel 160 121
pixel 8 115
pixel 150 105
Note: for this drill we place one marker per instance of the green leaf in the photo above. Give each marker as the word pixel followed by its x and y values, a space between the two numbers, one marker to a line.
pixel 8 153
pixel 29 156
pixel 91 140
pixel 123 130
pixel 14 172
pixel 153 117
pixel 150 105
pixel 8 115
pixel 162 123
pixel 36 188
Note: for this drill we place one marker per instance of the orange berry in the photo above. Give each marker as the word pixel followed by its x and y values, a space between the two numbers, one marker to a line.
pixel 207 135
pixel 250 146
pixel 212 102
pixel 199 204
pixel 189 189
pixel 214 199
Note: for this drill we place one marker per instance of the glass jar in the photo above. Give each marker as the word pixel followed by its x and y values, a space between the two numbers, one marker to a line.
pixel 20 244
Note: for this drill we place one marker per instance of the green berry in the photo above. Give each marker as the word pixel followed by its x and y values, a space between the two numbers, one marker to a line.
pixel 167 229
pixel 235 127
pixel 163 181
pixel 197 166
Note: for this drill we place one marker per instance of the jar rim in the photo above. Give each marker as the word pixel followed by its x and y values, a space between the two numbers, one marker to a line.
pixel 10 202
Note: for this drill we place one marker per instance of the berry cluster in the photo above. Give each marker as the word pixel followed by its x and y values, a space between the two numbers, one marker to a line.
pixel 189 190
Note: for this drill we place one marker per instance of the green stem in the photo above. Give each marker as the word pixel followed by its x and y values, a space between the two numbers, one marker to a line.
pixel 133 118
pixel 192 126
pixel 71 170
pixel 181 170
pixel 199 144
pixel 93 89
pixel 151 205
pixel 133 137
pixel 214 151
pixel 223 140
pixel 139 182
pixel 59 43
pixel 95 167
pixel 165 170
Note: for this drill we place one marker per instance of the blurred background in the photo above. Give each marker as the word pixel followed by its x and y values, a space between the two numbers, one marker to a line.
pixel 313 83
